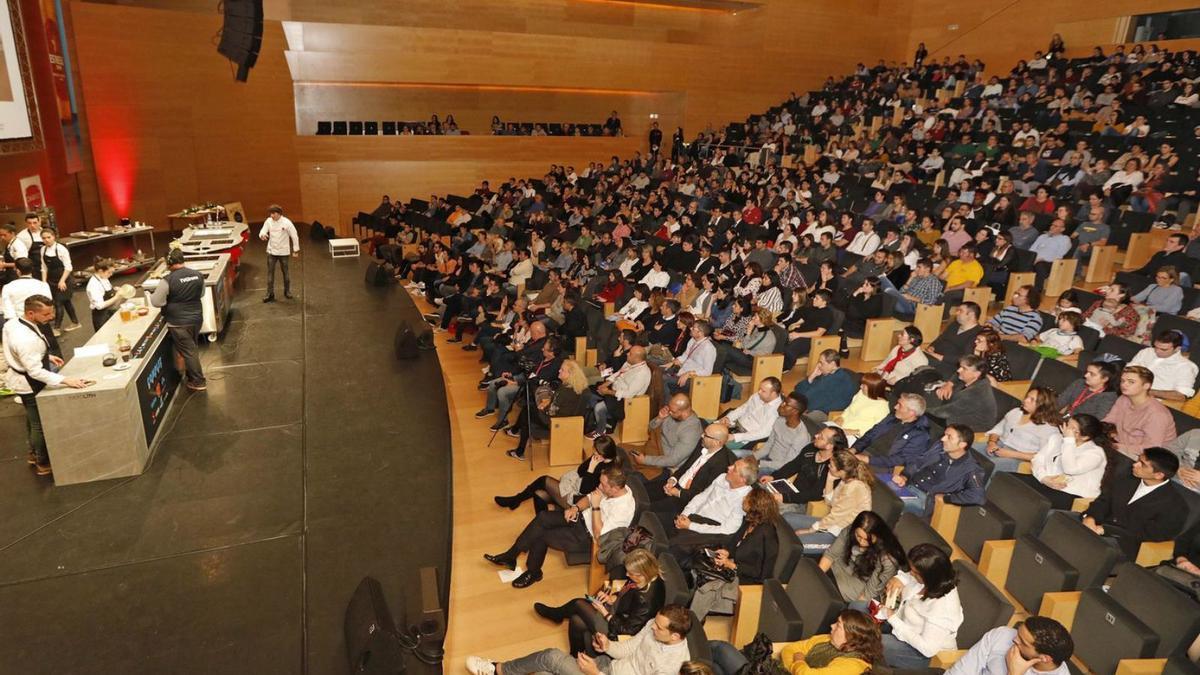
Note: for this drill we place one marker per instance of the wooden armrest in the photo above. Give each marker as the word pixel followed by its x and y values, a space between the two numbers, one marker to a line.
pixel 1025 468
pixel 1079 505
pixel 947 658
pixel 1152 553
pixel 1140 666
pixel 745 614
pixel 995 559
pixel 1015 388
pixel 945 519
pixel 1060 606
pixel 818 509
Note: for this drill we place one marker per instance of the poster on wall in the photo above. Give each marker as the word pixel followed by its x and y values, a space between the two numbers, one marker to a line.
pixel 15 122
pixel 64 86
pixel 31 191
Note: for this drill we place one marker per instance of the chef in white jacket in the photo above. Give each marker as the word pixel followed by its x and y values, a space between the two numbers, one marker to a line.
pixel 282 242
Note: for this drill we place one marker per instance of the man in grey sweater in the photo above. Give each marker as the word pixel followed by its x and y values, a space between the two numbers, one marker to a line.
pixel 788 437
pixel 679 431
pixel 967 400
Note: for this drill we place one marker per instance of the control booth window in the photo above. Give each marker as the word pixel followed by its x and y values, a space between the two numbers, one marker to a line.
pixel 1177 25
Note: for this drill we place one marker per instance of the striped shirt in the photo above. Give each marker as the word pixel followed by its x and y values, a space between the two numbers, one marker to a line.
pixel 1012 321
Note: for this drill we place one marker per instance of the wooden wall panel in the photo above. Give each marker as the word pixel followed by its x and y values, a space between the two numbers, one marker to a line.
pixel 415 166
pixel 473 107
pixel 169 125
pixel 1003 34
pixel 319 199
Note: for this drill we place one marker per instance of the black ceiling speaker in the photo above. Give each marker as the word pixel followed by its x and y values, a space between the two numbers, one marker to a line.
pixel 241 34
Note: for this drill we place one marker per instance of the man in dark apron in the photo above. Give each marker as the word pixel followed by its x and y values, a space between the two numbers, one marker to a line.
pixel 179 295
pixel 31 237
pixel 31 369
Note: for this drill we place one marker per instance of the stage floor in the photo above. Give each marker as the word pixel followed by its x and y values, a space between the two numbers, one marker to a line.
pixel 313 459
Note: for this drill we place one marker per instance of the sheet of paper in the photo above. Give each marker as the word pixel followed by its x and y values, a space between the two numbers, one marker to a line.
pixel 91 350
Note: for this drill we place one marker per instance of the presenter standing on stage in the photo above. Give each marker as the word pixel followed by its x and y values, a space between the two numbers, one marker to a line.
pixel 179 295
pixel 282 241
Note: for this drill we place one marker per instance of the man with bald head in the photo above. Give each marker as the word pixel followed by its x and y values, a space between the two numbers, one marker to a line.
pixel 679 431
pixel 707 462
pixel 608 400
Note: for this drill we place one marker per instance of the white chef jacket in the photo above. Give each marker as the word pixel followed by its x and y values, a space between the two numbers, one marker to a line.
pixel 279 234
pixel 96 288
pixel 16 292
pixel 24 347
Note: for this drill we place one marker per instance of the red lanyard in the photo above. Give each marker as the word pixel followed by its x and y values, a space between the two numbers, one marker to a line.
pixel 1083 397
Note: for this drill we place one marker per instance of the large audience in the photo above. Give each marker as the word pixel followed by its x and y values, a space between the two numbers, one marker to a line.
pixel 891 190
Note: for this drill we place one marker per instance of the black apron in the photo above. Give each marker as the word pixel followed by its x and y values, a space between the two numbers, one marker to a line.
pixel 36 385
pixel 9 273
pixel 35 254
pixel 101 316
pixel 54 270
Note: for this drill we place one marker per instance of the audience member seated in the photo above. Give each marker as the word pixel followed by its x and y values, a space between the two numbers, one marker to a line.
pixel 847 493
pixel 899 439
pixel 1187 448
pixel 714 514
pixel 566 400
pixel 905 358
pixel 1143 505
pixel 963 273
pixel 930 613
pixel 659 647
pixel 1035 645
pixel 815 321
pixel 923 287
pixel 1113 315
pixel 745 557
pixel 864 304
pixel 1021 320
pixel 863 559
pixel 1023 431
pixel 830 387
pixel 1141 421
pixel 1173 254
pixel 671 491
pixel 752 421
pixel 947 472
pixel 698 358
pixel 614 611
pixel 738 357
pixel 679 430
pixel 548 492
pixel 851 648
pixel 1093 394
pixel 1072 463
pixel 959 337
pixel 990 348
pixel 868 407
pixel 1064 337
pixel 789 435
pixel 607 400
pixel 1174 373
pixel 608 507
pixel 806 474
pixel 538 363
pixel 1164 296
pixel 967 399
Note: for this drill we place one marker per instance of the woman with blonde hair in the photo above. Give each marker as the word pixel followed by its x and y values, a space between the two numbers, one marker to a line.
pixel 847 492
pixel 565 401
pixel 613 612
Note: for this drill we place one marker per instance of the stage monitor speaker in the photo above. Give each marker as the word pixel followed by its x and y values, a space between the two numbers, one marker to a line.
pixel 389 128
pixel 371 128
pixel 324 128
pixel 432 628
pixel 356 128
pixel 372 640
pixel 405 343
pixel 340 128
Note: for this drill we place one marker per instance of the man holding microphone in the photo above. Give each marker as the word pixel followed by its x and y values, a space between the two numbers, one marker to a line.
pixel 282 241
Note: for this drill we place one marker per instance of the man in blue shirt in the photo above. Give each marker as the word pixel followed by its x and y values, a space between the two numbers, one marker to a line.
pixel 1051 246
pixel 947 471
pixel 1036 645
pixel 830 387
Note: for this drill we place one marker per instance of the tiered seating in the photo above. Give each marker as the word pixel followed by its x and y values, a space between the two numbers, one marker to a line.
pixel 1013 556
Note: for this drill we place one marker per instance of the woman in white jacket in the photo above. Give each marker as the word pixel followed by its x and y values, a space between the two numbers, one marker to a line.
pixel 930 612
pixel 905 358
pixel 1072 464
